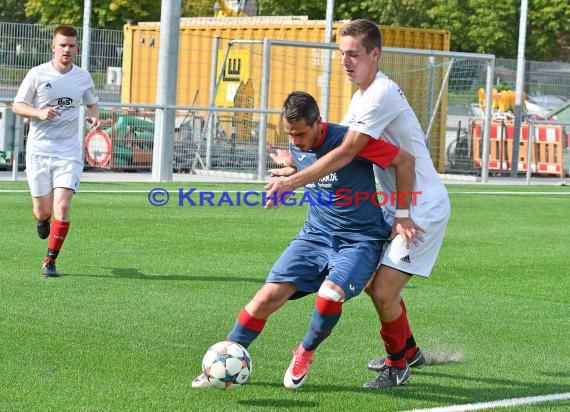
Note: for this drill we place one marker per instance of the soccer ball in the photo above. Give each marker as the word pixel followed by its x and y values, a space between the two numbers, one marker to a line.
pixel 227 365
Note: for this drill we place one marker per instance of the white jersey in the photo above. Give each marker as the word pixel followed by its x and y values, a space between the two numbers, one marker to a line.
pixel 45 87
pixel 383 111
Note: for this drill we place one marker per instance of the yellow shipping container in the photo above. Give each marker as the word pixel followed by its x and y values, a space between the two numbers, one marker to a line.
pixel 291 68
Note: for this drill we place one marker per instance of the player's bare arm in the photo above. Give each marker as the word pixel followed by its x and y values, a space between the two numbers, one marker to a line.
pixel 404 166
pixel 92 116
pixel 353 143
pixel 25 110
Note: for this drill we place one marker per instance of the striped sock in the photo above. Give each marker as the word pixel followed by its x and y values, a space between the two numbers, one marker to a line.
pixel 246 329
pixel 325 317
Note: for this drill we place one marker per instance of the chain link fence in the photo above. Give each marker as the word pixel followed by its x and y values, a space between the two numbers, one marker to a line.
pixel 218 120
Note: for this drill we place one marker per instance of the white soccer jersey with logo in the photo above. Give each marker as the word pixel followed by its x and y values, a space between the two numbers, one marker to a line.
pixel 45 87
pixel 383 111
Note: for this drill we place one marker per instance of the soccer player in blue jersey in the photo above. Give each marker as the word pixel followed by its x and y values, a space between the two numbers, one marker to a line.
pixel 338 248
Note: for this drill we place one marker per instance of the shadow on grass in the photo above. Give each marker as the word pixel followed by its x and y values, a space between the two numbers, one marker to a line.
pixel 134 273
pixel 565 374
pixel 437 388
pixel 463 389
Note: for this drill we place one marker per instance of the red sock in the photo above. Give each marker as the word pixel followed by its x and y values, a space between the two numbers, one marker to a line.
pixel 250 322
pixel 57 235
pixel 411 347
pixel 394 336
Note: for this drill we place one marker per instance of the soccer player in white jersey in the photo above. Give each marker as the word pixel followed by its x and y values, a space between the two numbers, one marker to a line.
pixel 380 109
pixel 51 95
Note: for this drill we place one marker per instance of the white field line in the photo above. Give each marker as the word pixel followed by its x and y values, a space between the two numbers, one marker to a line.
pixel 499 404
pixel 249 190
pixel 510 193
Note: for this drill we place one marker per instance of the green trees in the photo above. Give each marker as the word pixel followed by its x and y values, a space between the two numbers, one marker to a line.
pixel 105 14
pixel 476 26
pixel 479 26
pixel 484 26
pixel 13 11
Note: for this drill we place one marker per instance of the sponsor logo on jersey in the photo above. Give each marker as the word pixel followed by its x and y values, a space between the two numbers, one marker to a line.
pixel 64 103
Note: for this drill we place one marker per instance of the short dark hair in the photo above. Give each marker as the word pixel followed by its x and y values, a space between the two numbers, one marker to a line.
pixel 301 106
pixel 367 30
pixel 65 30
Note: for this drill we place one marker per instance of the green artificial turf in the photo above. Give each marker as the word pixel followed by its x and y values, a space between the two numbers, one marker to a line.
pixel 145 290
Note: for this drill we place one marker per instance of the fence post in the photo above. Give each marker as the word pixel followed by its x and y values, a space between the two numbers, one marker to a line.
pixel 264 103
pixel 487 123
pixel 165 118
pixel 529 151
pixel 213 90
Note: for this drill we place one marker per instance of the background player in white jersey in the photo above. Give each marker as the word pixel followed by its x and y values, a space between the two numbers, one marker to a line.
pixel 379 108
pixel 51 95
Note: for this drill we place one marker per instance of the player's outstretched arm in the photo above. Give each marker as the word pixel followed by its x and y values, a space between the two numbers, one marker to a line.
pixel 331 162
pixel 282 172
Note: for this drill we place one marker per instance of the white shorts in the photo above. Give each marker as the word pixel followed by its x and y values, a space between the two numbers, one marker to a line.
pixel 45 173
pixel 420 259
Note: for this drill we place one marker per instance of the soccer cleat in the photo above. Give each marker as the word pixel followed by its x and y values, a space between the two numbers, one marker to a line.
pixel 43 228
pixel 296 374
pixel 49 269
pixel 390 378
pixel 417 361
pixel 201 382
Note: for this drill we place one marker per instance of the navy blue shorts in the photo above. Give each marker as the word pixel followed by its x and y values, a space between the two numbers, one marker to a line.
pixel 308 261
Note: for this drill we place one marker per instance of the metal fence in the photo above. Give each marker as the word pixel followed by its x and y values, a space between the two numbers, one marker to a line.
pixel 23 46
pixel 211 138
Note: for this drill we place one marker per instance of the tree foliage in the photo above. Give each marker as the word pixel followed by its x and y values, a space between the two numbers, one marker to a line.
pixel 477 26
pixel 104 13
pixel 314 9
pixel 549 28
pixel 482 26
pixel 403 13
pixel 107 14
pixel 197 8
pixel 13 11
